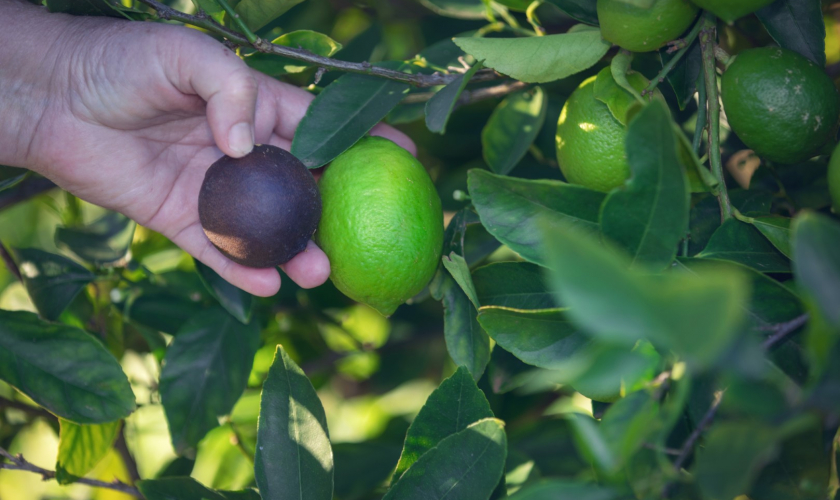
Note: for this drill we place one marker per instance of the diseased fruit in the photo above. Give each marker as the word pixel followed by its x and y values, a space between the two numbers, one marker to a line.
pixel 782 105
pixel 590 139
pixel 382 226
pixel 259 210
pixel 730 10
pixel 643 30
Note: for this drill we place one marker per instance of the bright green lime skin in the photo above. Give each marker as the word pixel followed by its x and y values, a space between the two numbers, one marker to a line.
pixel 590 140
pixel 780 104
pixel 643 30
pixel 834 179
pixel 730 10
pixel 381 225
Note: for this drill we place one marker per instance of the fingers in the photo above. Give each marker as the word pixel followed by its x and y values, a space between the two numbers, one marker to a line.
pixel 261 282
pixel 389 132
pixel 229 87
pixel 309 268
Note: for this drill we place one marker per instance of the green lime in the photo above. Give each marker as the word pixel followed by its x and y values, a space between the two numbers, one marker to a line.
pixel 834 179
pixel 590 139
pixel 381 225
pixel 643 30
pixel 782 105
pixel 730 10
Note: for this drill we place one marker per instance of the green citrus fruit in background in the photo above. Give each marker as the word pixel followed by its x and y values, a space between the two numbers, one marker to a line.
pixel 642 30
pixel 590 140
pixel 381 225
pixel 730 10
pixel 834 178
pixel 780 104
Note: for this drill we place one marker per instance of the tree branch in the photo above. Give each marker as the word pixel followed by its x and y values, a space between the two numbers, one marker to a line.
pixel 9 261
pixel 782 330
pixel 365 68
pixel 20 463
pixel 471 96
pixel 122 448
pixel 707 43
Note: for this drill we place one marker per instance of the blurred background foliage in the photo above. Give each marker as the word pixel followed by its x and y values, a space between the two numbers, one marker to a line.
pixel 372 374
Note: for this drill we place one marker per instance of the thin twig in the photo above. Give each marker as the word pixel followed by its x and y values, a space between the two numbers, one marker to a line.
pixel 9 261
pixel 252 38
pixel 782 330
pixel 31 410
pixel 688 445
pixel 707 43
pixel 17 462
pixel 471 96
pixel 417 80
pixel 684 45
pixel 122 448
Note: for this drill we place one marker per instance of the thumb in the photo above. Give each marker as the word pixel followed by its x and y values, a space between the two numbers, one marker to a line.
pixel 228 86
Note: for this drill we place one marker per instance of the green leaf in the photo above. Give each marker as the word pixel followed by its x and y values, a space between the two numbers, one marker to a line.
pixel 683 76
pixel 460 272
pixel 816 261
pixel 344 112
pixel 695 316
pixel 705 214
pixel 294 458
pixel 466 465
pixel 649 216
pixel 518 285
pixel 205 371
pixel 769 303
pixel 238 303
pixel 538 59
pixel 467 343
pixel 796 25
pixel 733 454
pixel 186 488
pixel 11 176
pixel 802 469
pixel 459 9
pixel 591 442
pixel 103 241
pixel 777 231
pixel 453 241
pixel 81 447
pixel 509 208
pixel 361 467
pixel 451 408
pixel 258 13
pixel 274 65
pixel 512 128
pixel 440 106
pixel 629 423
pixel 52 281
pixel 63 369
pixel 545 338
pixel 212 8
pixel 743 243
pixel 582 10
pixel 165 312
pixel 619 101
pixel 556 489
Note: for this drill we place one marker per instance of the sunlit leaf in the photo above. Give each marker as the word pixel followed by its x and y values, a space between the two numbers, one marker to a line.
pixel 81 447
pixel 512 128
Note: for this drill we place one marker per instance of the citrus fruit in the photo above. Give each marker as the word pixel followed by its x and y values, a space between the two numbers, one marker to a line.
pixel 590 139
pixel 382 225
pixel 642 30
pixel 834 178
pixel 259 210
pixel 780 104
pixel 730 10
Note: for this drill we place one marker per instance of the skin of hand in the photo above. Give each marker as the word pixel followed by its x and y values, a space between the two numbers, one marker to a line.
pixel 130 115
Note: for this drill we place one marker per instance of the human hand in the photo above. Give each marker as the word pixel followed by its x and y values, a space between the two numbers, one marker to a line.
pixel 141 110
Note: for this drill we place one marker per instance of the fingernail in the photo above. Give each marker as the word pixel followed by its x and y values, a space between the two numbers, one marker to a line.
pixel 241 139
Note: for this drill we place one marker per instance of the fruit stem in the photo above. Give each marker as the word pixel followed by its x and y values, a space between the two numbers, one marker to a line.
pixel 684 45
pixel 707 44
pixel 239 22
